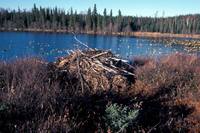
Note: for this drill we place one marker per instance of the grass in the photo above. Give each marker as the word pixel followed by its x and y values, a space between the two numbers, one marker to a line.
pixel 37 97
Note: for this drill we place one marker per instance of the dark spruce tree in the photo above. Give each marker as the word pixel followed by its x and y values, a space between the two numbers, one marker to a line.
pixel 94 18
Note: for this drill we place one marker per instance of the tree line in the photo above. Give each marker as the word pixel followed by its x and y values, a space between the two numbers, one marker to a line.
pixel 56 19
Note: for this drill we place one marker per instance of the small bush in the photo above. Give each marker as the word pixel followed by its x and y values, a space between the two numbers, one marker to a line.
pixel 3 107
pixel 119 117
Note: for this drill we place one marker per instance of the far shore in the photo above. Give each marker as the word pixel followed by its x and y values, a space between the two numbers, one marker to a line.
pixel 132 34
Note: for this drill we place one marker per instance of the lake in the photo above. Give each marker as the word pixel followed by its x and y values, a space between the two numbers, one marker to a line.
pixel 50 46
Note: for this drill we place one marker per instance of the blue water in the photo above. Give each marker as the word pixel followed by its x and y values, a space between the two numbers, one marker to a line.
pixel 50 46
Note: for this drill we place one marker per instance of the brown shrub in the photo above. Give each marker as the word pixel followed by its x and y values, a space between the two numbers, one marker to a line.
pixel 164 81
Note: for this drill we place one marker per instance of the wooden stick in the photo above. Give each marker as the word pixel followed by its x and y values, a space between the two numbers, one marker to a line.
pixel 80 41
pixel 104 67
pixel 80 75
pixel 95 56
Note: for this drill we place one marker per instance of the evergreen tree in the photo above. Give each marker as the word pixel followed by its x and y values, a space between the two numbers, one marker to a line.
pixel 104 23
pixel 89 20
pixel 71 20
pixel 99 23
pixel 94 18
pixel 119 21
pixel 111 22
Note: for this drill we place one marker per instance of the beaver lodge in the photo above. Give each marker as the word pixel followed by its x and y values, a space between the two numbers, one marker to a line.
pixel 99 70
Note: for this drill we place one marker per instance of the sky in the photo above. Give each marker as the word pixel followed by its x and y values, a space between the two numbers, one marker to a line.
pixel 127 7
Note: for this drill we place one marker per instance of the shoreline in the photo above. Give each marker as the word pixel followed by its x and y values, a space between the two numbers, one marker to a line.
pixel 129 34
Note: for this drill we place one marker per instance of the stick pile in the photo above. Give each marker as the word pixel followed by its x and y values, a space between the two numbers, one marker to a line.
pixel 100 70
